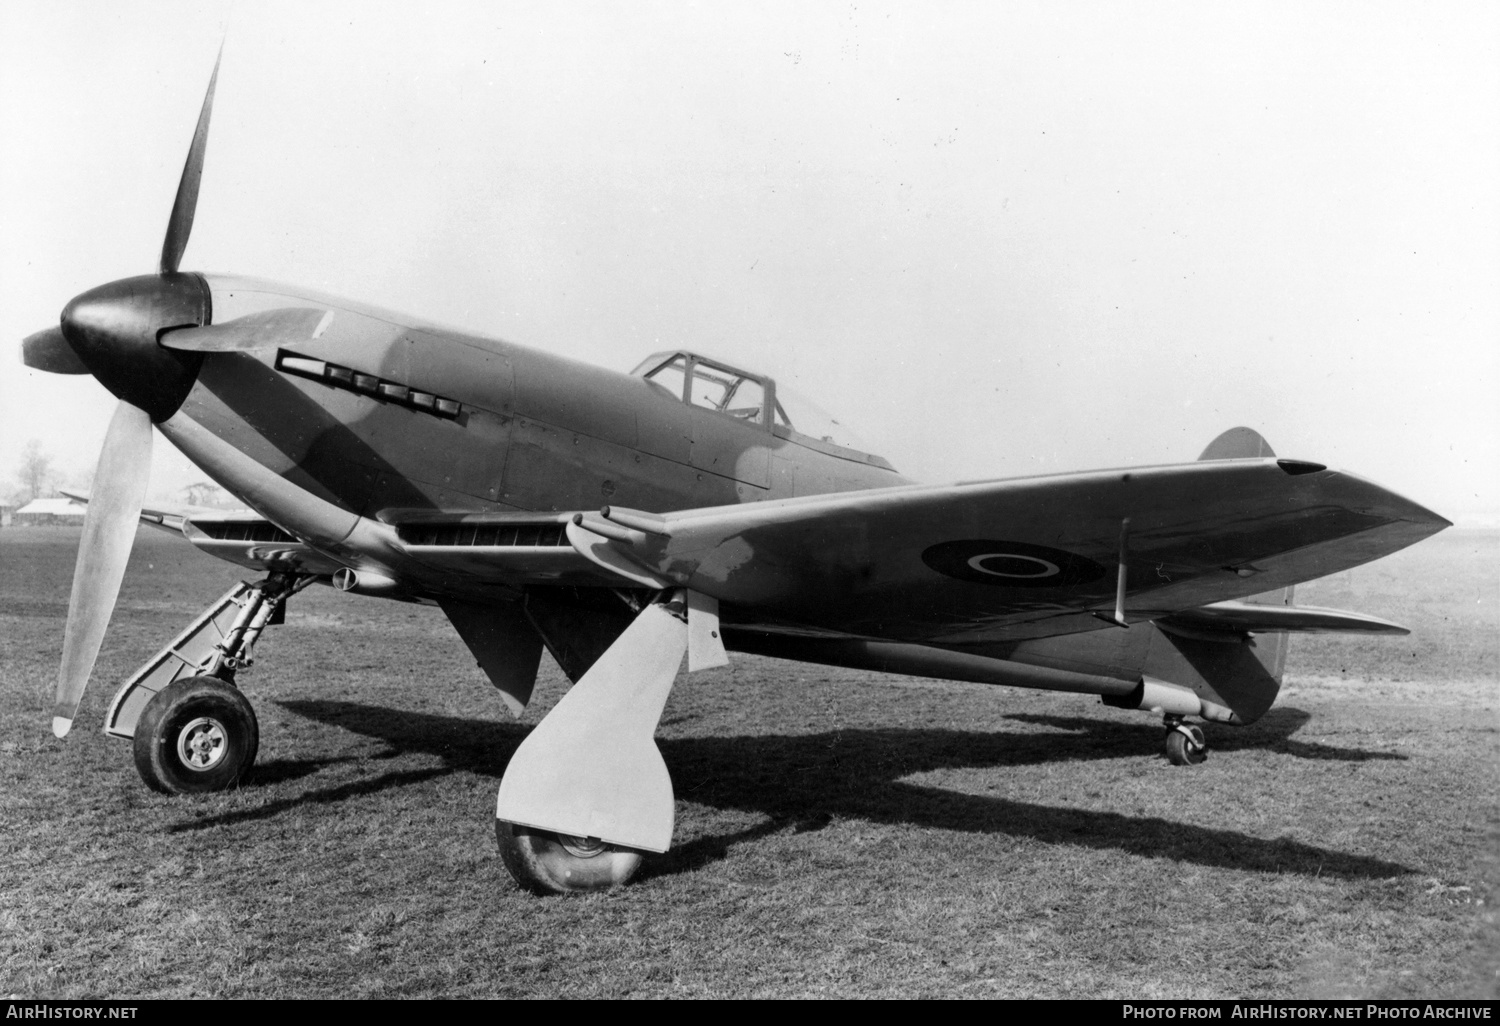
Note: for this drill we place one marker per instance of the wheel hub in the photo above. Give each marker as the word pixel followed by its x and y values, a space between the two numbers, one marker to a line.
pixel 582 847
pixel 201 745
pixel 1194 735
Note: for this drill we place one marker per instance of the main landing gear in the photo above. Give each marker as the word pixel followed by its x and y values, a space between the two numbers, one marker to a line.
pixel 1186 745
pixel 583 798
pixel 192 729
pixel 548 863
pixel 587 792
pixel 198 734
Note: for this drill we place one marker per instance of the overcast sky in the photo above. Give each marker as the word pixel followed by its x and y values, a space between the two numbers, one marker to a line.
pixel 997 238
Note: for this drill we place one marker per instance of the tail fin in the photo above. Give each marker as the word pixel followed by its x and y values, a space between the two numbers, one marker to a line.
pixel 1238 443
pixel 1231 670
pixel 1238 673
pixel 1231 655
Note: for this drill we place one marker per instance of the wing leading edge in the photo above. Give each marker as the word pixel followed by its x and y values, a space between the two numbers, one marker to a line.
pixel 960 564
pixel 1028 557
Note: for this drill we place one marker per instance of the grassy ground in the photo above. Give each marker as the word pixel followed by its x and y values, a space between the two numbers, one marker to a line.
pixel 839 833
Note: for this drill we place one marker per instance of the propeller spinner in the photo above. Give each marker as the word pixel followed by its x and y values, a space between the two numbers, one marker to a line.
pixel 113 333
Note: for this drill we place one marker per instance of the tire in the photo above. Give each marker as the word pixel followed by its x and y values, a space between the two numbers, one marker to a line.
pixel 1186 751
pixel 547 863
pixel 196 736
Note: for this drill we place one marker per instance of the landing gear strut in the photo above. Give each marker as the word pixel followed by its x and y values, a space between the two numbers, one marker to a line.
pixel 193 731
pixel 1186 745
pixel 587 791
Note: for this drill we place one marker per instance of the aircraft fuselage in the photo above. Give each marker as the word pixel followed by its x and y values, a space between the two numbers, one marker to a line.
pixel 524 430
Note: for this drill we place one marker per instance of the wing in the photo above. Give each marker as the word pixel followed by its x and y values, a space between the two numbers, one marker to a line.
pixel 959 564
pixel 248 539
pixel 1020 558
pixel 169 516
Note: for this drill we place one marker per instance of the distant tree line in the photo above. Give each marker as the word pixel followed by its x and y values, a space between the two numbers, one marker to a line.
pixel 37 477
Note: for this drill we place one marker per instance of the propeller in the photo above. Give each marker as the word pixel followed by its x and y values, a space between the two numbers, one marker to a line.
pixel 108 532
pixel 49 351
pixel 180 224
pixel 264 330
pixel 112 332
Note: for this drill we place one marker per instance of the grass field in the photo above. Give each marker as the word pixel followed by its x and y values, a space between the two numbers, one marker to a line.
pixel 839 833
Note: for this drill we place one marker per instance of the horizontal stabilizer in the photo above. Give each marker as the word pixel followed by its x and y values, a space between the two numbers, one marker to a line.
pixel 1255 618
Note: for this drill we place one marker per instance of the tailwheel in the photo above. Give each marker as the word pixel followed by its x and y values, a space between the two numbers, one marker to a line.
pixel 1186 745
pixel 548 863
pixel 197 735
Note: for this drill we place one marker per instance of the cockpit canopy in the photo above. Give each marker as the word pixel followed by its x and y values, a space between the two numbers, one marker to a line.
pixel 699 381
pixel 754 398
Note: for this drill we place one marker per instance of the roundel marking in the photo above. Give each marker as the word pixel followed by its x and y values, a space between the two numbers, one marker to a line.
pixel 1009 564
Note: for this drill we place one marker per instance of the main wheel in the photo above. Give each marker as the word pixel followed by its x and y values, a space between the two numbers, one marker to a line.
pixel 1186 746
pixel 548 863
pixel 197 735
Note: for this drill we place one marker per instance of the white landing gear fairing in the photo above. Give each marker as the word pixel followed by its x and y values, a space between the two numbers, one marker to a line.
pixel 588 790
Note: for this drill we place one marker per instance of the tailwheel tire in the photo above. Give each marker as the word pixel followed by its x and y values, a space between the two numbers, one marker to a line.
pixel 548 863
pixel 1186 746
pixel 197 735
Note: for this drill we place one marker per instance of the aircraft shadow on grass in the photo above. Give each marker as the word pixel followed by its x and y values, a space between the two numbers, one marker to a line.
pixel 802 781
pixel 1272 732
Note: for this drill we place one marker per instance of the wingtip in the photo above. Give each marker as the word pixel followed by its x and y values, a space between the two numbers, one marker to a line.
pixel 1434 522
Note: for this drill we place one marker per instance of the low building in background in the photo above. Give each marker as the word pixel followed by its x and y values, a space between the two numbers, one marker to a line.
pixel 60 511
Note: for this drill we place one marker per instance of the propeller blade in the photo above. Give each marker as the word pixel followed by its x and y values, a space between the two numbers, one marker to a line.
pixel 264 330
pixel 108 533
pixel 49 351
pixel 181 224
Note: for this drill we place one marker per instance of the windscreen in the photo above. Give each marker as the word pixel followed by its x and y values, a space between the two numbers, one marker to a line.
pixel 806 417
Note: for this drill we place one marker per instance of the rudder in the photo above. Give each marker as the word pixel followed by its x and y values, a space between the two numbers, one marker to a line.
pixel 1238 443
pixel 1240 673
